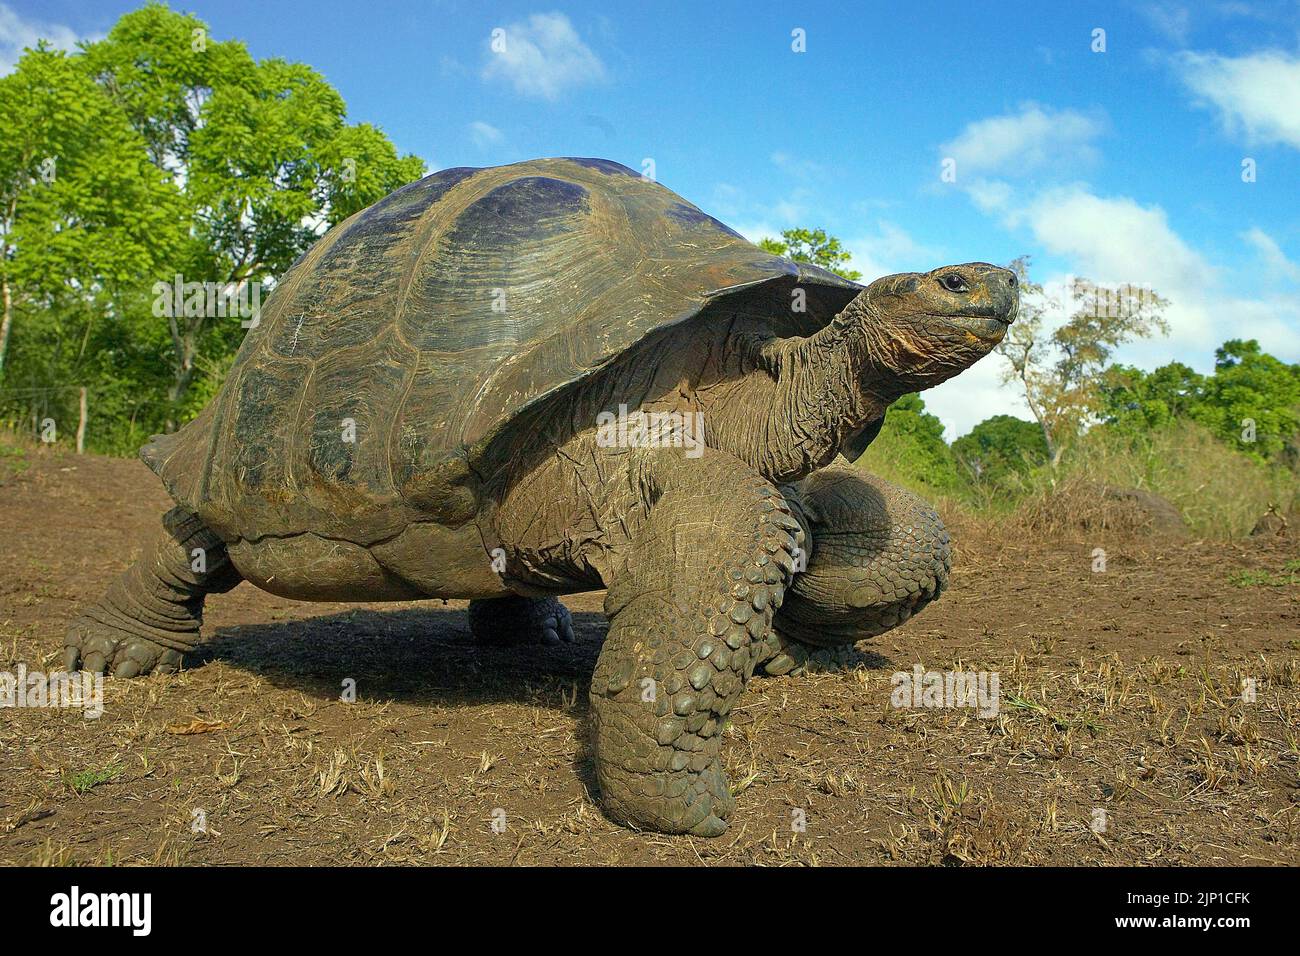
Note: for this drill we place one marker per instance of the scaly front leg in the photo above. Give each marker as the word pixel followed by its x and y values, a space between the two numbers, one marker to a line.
pixel 690 604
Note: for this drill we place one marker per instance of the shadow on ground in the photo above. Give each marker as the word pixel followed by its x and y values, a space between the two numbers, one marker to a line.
pixel 421 656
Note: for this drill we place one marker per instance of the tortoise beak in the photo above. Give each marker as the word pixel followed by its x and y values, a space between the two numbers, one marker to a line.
pixel 995 303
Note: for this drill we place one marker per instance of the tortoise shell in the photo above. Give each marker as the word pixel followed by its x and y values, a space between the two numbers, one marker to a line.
pixel 421 328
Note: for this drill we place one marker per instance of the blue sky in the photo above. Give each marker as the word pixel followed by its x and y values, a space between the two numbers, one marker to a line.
pixel 1121 166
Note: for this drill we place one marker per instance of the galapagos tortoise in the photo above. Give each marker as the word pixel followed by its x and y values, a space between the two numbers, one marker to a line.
pixel 512 383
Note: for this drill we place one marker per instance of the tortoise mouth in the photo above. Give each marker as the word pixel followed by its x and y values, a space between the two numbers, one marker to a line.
pixel 990 328
pixel 991 321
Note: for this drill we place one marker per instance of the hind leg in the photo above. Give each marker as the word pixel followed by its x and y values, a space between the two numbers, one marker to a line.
pixel 520 620
pixel 150 616
pixel 879 554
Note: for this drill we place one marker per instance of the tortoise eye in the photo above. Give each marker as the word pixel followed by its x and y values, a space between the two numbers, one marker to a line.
pixel 953 283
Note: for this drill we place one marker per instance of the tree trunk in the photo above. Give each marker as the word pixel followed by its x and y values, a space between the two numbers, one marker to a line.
pixel 7 322
pixel 1053 449
pixel 185 336
pixel 81 423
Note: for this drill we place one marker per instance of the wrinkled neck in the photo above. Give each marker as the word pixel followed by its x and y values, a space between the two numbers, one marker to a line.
pixel 859 354
pixel 807 396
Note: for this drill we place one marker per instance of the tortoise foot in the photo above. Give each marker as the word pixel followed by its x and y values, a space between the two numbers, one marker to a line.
pixel 520 620
pixel 100 648
pixel 791 658
pixel 698 803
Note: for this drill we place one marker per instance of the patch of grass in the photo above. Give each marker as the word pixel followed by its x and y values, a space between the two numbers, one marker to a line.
pixel 13 460
pixel 87 780
pixel 1261 577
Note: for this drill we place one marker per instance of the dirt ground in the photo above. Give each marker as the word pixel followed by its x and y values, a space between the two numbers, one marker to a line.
pixel 1122 735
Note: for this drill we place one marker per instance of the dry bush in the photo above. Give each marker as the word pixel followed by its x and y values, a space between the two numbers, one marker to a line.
pixel 1104 481
pixel 1221 491
pixel 1077 505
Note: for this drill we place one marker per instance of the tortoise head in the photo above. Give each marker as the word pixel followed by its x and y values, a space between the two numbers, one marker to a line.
pixel 922 328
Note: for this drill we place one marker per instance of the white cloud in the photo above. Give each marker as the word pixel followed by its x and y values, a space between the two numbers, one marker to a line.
pixel 542 56
pixel 764 220
pixel 1032 139
pixel 758 230
pixel 891 249
pixel 990 195
pixel 1114 239
pixel 1275 260
pixel 963 402
pixel 796 167
pixel 484 134
pixel 1172 19
pixel 1256 95
pixel 17 33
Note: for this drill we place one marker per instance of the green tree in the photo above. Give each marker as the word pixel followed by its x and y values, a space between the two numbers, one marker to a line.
pixel 815 246
pixel 1001 448
pixel 911 450
pixel 1133 399
pixel 84 216
pixel 82 212
pixel 1252 400
pixel 1061 370
pixel 260 150
pixel 154 153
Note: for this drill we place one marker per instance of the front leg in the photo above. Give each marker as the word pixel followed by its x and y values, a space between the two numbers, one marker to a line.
pixel 879 554
pixel 690 604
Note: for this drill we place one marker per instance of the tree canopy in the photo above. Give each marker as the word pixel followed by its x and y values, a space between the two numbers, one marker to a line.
pixel 815 246
pixel 1251 399
pixel 1000 448
pixel 159 152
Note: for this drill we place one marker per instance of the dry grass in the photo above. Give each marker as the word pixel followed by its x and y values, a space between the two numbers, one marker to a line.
pixel 1123 736
pixel 1220 491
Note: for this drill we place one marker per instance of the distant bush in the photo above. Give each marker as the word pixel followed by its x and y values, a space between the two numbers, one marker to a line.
pixel 1220 491
pixel 910 451
pixel 998 473
pixel 997 458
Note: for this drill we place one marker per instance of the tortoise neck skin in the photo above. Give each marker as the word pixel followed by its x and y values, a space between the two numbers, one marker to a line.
pixel 901 334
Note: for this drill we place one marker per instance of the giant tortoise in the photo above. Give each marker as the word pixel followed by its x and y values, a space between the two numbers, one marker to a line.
pixel 512 383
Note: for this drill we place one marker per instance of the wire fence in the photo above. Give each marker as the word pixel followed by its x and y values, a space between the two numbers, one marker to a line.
pixel 45 428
